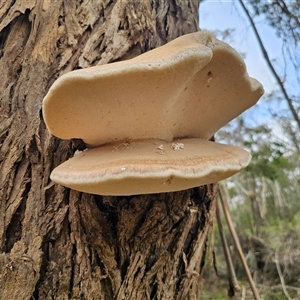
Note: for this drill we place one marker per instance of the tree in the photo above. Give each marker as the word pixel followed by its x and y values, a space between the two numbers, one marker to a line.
pixel 283 16
pixel 265 197
pixel 56 243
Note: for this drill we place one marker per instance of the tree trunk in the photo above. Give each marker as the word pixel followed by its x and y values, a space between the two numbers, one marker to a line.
pixel 56 243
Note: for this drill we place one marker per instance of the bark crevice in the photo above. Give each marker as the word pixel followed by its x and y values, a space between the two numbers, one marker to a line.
pixel 59 243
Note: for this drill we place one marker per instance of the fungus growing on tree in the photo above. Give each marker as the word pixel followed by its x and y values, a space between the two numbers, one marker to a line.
pixel 146 121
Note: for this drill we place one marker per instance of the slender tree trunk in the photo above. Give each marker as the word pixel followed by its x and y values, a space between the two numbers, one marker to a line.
pixel 56 243
pixel 256 210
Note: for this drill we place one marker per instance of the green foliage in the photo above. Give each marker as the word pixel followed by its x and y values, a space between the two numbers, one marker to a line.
pixel 278 294
pixel 268 160
pixel 269 156
pixel 264 199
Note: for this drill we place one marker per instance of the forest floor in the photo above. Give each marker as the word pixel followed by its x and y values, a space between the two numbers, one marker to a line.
pixel 277 252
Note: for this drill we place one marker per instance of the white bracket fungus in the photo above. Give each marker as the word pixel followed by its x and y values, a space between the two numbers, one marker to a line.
pixel 132 115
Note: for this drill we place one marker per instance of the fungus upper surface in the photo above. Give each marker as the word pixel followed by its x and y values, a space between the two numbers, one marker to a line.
pixel 150 166
pixel 147 120
pixel 189 87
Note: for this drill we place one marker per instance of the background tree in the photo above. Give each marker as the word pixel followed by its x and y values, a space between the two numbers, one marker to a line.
pixel 284 17
pixel 264 199
pixel 56 243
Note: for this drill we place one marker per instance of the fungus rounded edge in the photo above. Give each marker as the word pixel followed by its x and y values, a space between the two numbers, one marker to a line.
pixel 190 87
pixel 150 166
pixel 180 88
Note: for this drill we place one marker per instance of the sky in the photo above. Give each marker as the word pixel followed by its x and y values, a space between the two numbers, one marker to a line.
pixel 219 15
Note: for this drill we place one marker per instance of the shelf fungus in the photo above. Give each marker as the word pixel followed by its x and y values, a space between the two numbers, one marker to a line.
pixel 146 121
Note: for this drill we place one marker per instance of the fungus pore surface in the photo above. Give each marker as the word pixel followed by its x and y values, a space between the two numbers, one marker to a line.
pixel 150 166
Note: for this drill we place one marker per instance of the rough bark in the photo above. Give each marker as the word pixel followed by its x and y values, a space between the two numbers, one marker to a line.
pixel 56 243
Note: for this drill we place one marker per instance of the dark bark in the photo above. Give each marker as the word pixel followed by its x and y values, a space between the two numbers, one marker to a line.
pixel 56 243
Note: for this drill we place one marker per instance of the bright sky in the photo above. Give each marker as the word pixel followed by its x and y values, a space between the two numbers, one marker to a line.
pixel 218 15
pixel 221 15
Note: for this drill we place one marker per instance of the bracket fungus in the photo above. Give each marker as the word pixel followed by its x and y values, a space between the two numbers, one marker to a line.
pixel 146 121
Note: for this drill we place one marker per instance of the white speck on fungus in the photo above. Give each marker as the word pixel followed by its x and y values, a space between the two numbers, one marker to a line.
pixel 177 146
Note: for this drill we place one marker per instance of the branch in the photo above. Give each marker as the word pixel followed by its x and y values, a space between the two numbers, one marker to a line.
pixel 238 247
pixel 273 71
pixel 232 277
pixel 288 13
pixel 281 277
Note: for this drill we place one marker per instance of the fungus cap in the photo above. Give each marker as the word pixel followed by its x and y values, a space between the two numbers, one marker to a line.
pixel 150 166
pixel 189 87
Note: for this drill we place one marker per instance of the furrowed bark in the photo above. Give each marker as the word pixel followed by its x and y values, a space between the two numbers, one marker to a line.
pixel 56 243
